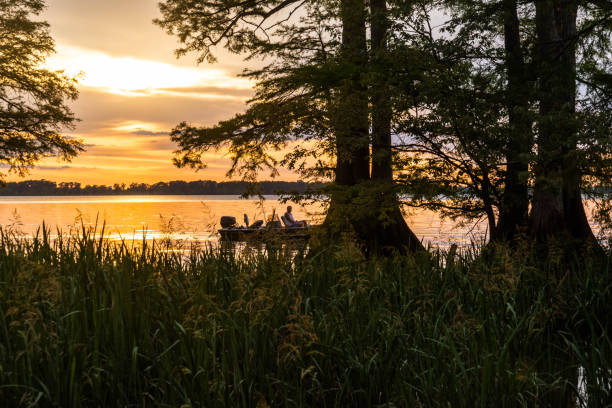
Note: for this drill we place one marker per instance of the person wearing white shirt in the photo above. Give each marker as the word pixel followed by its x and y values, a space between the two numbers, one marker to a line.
pixel 291 220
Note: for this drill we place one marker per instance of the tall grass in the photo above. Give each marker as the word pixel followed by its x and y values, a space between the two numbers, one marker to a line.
pixel 85 322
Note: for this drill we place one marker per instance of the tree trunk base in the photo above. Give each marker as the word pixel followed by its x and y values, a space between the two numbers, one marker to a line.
pixel 389 236
pixel 561 226
pixel 373 221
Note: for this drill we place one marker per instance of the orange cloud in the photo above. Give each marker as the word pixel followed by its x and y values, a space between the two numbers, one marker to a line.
pixel 133 92
pixel 139 77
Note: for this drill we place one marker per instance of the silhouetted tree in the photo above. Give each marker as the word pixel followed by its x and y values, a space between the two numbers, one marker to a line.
pixel 33 100
pixel 498 107
pixel 558 210
pixel 315 90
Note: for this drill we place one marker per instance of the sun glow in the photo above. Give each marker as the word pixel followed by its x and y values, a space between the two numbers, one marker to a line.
pixel 134 126
pixel 137 77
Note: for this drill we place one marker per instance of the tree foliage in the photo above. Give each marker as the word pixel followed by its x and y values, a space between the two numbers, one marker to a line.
pixel 33 99
pixel 293 89
pixel 471 130
pixel 461 104
pixel 464 128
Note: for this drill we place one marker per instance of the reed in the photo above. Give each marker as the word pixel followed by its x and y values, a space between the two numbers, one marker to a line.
pixel 86 322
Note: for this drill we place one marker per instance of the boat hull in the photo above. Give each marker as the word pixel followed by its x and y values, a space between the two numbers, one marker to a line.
pixel 264 234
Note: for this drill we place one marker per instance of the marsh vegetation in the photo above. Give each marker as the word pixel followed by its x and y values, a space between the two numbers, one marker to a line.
pixel 89 322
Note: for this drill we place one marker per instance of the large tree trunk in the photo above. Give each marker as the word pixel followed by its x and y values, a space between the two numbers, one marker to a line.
pixel 350 122
pixel 368 210
pixel 386 228
pixel 351 115
pixel 513 215
pixel 382 169
pixel 557 209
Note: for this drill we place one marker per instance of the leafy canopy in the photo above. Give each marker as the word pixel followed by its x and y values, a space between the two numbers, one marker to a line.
pixel 33 99
pixel 288 120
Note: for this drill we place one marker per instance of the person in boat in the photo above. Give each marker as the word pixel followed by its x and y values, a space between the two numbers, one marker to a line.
pixel 290 221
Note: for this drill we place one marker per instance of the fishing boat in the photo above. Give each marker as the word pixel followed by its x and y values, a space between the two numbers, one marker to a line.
pixel 272 231
pixel 264 233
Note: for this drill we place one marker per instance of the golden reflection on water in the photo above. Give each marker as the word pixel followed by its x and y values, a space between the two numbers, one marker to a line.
pixel 186 218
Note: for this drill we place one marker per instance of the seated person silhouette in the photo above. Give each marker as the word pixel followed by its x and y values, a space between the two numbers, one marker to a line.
pixel 290 221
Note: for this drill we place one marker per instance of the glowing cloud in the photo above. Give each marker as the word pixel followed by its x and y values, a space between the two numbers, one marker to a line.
pixel 136 126
pixel 137 77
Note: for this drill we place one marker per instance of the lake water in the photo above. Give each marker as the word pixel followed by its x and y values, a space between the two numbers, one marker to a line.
pixel 184 218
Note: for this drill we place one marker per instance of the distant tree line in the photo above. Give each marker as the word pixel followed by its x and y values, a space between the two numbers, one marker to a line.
pixel 203 187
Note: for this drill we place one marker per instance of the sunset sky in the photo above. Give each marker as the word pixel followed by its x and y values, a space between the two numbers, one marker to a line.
pixel 133 92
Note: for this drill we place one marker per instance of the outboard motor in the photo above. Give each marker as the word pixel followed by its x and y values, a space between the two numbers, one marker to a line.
pixel 246 220
pixel 227 222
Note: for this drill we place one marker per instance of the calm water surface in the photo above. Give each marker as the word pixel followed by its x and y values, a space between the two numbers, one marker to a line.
pixel 187 218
